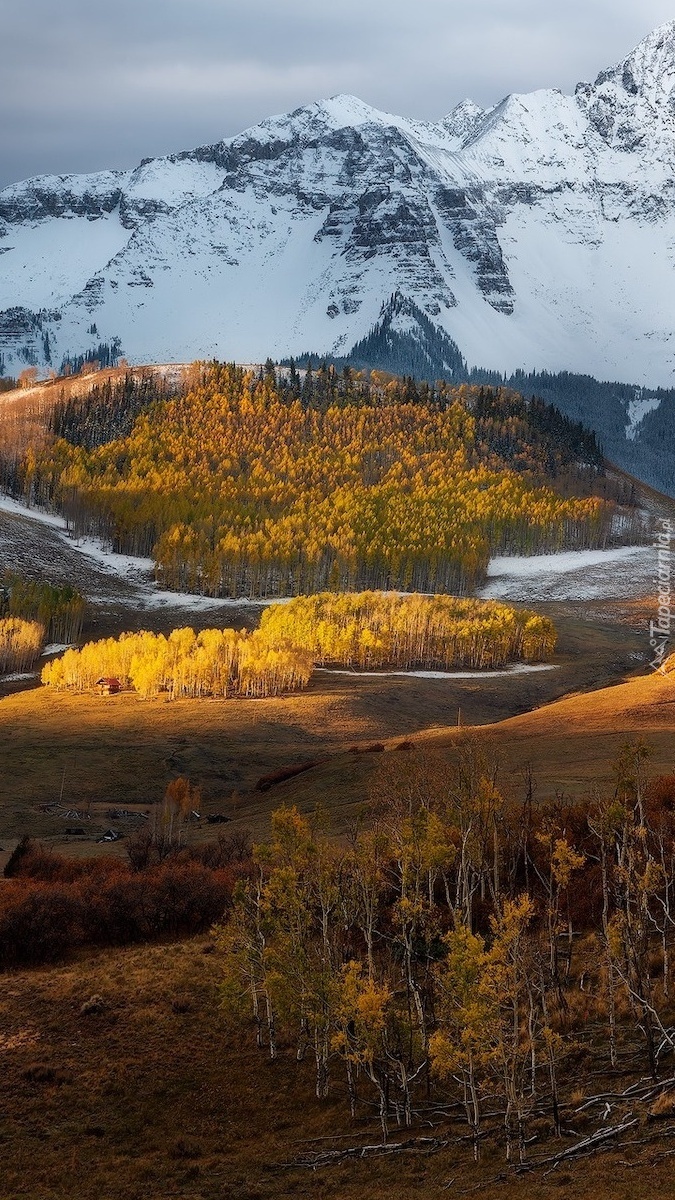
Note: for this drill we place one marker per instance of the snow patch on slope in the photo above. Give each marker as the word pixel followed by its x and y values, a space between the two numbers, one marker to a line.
pixel 514 669
pixel 637 411
pixel 623 573
pixel 70 250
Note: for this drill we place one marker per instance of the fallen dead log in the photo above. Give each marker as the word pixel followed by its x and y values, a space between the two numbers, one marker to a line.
pixel 327 1158
pixel 580 1149
pixel 637 1091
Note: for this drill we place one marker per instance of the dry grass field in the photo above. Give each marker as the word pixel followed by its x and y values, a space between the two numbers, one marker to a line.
pixel 146 1094
pixel 570 746
pixel 101 753
pixel 95 754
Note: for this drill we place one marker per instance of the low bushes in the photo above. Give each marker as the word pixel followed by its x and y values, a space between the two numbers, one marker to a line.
pixel 283 773
pixel 50 905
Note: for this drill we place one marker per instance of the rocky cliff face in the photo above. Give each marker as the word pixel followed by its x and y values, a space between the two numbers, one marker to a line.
pixel 539 234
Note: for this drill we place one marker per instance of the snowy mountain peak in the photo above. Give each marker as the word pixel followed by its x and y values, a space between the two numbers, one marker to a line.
pixel 537 234
pixel 344 110
pixel 337 112
pixel 649 71
pixel 633 103
pixel 463 119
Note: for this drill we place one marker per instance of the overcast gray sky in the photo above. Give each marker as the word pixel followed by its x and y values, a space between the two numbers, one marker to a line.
pixel 87 84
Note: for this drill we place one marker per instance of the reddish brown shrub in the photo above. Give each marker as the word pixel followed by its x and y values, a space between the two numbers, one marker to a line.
pixel 269 781
pixel 105 902
pixel 33 860
pixel 660 801
pixel 38 923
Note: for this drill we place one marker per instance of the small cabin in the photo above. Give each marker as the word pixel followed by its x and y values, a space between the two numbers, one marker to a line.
pixel 108 686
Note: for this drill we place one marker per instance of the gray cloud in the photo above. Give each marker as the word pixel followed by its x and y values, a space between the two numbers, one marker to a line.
pixel 87 84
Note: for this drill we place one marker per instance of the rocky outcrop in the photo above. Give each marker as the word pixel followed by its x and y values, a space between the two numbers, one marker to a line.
pixel 538 234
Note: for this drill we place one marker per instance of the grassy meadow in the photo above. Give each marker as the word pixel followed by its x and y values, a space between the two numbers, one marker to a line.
pixel 100 753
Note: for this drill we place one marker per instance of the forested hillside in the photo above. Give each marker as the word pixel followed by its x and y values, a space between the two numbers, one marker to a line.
pixel 32 613
pixel 109 410
pixel 250 485
pixel 634 425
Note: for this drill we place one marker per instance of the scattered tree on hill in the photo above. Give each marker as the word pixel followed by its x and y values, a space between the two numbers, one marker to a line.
pixel 28 377
pixel 414 957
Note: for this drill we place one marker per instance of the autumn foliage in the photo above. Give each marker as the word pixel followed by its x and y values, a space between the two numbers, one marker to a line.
pixel 376 629
pixel 20 644
pixel 60 610
pixel 243 488
pixel 461 939
pixel 216 662
pixel 366 630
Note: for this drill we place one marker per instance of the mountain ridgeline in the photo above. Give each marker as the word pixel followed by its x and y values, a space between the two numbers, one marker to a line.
pixel 534 237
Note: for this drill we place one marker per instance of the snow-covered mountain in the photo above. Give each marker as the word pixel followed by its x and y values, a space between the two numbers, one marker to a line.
pixel 539 234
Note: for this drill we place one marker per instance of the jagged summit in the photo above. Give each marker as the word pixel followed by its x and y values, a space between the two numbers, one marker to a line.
pixel 463 119
pixel 649 71
pixel 632 105
pixel 536 234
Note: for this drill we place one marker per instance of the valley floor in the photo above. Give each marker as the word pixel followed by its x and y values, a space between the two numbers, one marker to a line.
pixel 147 1094
pixel 101 753
pixel 98 754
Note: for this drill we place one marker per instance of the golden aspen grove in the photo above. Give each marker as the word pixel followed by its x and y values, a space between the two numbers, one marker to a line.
pixel 255 486
pixel 20 643
pixel 31 613
pixel 215 662
pixel 59 610
pixel 376 629
pixel 367 630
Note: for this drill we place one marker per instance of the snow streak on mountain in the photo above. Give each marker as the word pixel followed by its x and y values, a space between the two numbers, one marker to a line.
pixel 539 234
